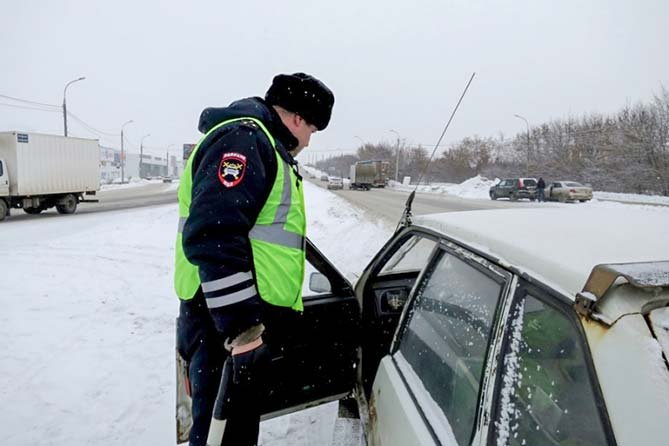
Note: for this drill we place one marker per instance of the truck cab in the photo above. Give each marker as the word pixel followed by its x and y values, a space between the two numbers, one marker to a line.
pixel 4 179
pixel 4 189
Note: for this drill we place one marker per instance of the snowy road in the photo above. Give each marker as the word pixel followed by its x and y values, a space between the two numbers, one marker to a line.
pixel 147 193
pixel 87 325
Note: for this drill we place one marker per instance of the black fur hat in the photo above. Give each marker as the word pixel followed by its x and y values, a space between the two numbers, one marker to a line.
pixel 304 95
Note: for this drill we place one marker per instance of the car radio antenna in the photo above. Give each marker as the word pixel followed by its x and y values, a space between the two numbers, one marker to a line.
pixel 405 220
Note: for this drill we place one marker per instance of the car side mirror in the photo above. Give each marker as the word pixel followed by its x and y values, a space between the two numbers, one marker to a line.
pixel 319 283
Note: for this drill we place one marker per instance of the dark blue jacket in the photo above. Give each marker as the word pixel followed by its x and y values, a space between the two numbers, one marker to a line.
pixel 215 235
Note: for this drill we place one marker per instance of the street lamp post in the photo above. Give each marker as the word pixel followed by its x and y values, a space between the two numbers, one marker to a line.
pixel 527 165
pixel 362 141
pixel 122 153
pixel 141 154
pixel 397 155
pixel 167 159
pixel 65 102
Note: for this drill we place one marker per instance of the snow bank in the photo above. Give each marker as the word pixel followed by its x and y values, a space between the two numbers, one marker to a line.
pixel 478 187
pixel 135 182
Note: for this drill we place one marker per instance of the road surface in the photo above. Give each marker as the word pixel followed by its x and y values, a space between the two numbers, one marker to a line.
pixel 389 203
pixel 111 200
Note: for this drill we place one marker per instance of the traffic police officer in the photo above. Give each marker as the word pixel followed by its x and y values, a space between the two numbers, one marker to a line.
pixel 240 244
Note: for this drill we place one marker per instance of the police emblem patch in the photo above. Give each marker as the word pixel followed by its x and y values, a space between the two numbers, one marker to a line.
pixel 232 169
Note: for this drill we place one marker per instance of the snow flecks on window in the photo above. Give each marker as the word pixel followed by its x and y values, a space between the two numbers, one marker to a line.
pixel 510 380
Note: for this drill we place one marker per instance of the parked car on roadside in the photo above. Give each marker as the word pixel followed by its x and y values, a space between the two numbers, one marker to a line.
pixel 564 191
pixel 324 177
pixel 476 328
pixel 335 183
pixel 514 189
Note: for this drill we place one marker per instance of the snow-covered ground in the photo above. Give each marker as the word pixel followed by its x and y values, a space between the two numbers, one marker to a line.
pixel 478 188
pixel 87 326
pixel 135 183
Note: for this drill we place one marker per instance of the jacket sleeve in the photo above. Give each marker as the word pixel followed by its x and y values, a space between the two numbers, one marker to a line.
pixel 223 210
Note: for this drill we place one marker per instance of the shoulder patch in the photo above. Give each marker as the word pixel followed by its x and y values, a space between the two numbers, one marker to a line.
pixel 232 168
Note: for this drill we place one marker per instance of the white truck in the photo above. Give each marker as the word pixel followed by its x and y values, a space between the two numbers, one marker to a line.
pixel 40 171
pixel 370 173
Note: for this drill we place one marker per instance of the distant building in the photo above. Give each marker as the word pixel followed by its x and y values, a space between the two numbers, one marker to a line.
pixel 110 165
pixel 151 166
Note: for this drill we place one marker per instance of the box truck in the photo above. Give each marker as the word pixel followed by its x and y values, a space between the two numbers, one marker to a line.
pixel 367 174
pixel 39 171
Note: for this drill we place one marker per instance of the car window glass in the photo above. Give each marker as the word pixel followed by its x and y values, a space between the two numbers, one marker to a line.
pixel 446 340
pixel 411 256
pixel 1 169
pixel 547 395
pixel 529 182
pixel 573 184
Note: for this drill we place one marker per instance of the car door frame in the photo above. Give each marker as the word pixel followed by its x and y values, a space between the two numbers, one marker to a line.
pixel 361 289
pixel 478 260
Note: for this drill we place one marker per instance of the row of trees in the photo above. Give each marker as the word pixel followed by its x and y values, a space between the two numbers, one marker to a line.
pixel 624 152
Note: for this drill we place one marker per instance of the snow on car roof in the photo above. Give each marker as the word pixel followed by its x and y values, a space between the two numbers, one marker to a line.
pixel 559 246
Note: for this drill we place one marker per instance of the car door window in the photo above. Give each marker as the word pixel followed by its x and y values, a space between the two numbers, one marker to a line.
pixel 547 395
pixel 412 255
pixel 445 342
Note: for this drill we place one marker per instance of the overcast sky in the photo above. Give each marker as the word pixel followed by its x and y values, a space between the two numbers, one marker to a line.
pixel 392 64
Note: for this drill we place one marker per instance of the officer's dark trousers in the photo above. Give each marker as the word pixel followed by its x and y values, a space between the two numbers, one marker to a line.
pixel 200 345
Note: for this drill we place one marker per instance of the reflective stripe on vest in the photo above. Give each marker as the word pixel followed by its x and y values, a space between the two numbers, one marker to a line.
pixel 277 238
pixel 275 232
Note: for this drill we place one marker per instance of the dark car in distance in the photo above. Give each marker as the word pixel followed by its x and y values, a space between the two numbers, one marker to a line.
pixel 514 189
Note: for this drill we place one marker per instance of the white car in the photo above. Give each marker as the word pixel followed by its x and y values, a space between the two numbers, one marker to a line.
pixel 564 191
pixel 484 327
pixel 335 183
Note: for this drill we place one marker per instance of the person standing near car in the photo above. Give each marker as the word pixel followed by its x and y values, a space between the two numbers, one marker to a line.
pixel 541 186
pixel 240 246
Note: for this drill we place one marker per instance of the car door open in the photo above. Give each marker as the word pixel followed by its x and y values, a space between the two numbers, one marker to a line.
pixel 313 355
pixel 384 288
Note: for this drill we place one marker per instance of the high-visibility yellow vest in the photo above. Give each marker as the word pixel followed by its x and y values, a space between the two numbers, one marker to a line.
pixel 277 238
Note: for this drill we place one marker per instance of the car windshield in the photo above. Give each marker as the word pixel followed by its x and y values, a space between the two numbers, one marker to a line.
pixel 573 184
pixel 529 182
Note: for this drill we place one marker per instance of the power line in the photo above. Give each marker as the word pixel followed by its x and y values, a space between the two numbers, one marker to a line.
pixel 27 101
pixel 90 127
pixel 26 107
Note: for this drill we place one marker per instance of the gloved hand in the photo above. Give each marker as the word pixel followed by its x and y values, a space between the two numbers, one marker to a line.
pixel 238 404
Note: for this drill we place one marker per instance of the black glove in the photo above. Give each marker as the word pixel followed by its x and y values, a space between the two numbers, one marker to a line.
pixel 239 402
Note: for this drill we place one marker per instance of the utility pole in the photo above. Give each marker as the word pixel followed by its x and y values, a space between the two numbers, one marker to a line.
pixel 123 153
pixel 397 156
pixel 527 164
pixel 167 153
pixel 141 154
pixel 65 103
